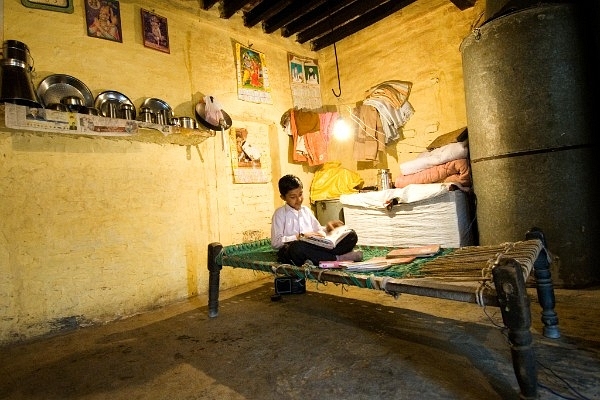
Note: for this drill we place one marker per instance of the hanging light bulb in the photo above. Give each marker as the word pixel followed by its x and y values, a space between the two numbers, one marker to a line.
pixel 341 129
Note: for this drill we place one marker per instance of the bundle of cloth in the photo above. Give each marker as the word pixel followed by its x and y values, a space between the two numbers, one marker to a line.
pixel 380 117
pixel 311 132
pixel 390 99
pixel 446 164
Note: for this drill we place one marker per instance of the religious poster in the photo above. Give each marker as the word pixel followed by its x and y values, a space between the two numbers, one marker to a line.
pixel 305 82
pixel 103 19
pixel 252 74
pixel 249 163
pixel 155 31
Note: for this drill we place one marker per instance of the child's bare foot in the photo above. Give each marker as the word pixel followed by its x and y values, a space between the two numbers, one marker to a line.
pixel 351 256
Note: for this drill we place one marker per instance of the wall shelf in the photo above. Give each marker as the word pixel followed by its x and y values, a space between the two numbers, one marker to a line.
pixel 177 135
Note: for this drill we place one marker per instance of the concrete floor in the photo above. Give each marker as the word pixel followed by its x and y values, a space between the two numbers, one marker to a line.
pixel 333 342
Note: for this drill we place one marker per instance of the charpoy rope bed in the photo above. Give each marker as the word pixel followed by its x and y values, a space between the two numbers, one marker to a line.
pixel 497 273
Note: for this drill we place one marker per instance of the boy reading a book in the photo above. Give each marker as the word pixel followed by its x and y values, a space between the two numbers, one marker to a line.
pixel 293 220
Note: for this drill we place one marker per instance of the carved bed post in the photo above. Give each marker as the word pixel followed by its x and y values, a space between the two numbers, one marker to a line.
pixel 516 315
pixel 544 287
pixel 214 273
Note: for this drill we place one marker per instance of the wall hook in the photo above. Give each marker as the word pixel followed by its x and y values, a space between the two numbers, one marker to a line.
pixel 337 68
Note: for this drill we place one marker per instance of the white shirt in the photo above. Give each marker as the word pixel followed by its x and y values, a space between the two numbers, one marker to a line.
pixel 288 222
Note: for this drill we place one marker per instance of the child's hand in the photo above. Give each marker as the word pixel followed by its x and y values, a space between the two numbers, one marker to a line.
pixel 313 234
pixel 331 225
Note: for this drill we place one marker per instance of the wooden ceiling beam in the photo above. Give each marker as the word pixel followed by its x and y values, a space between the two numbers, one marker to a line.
pixel 264 10
pixel 338 19
pixel 314 16
pixel 227 8
pixel 373 16
pixel 289 14
pixel 462 5
pixel 207 4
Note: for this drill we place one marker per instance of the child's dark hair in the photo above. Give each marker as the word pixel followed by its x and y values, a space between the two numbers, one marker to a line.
pixel 289 182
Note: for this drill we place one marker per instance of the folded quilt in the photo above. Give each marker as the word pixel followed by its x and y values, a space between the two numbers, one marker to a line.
pixel 441 155
pixel 455 171
pixel 383 198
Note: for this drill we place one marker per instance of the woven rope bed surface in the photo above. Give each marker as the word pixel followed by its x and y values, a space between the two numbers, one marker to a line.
pixel 464 263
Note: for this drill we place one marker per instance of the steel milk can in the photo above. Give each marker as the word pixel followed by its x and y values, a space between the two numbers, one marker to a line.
pixel 384 179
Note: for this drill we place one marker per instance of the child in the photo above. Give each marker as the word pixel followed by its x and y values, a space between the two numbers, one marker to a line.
pixel 292 220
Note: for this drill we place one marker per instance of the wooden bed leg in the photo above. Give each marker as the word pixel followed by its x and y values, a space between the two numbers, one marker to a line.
pixel 545 288
pixel 516 315
pixel 214 274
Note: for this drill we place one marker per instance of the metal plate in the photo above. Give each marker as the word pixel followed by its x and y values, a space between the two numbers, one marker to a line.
pixel 54 87
pixel 104 99
pixel 158 106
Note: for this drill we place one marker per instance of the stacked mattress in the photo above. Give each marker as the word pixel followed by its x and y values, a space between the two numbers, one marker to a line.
pixel 416 215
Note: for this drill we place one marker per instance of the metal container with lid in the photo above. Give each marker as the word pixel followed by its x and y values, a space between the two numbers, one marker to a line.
pixel 16 67
pixel 384 179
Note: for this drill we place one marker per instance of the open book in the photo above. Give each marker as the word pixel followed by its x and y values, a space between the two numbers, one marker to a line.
pixel 330 240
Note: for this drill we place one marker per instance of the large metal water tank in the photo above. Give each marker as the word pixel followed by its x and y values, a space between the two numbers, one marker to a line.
pixel 530 94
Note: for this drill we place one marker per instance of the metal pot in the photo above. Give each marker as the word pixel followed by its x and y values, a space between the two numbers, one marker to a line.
pixel 186 122
pixel 146 114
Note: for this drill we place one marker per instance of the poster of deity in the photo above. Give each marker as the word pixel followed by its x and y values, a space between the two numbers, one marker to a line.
pixel 103 19
pixel 252 74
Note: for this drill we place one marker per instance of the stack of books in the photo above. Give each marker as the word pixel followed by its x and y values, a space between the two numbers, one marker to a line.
pixel 394 257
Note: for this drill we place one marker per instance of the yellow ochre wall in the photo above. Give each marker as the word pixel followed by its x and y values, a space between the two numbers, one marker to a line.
pixel 93 229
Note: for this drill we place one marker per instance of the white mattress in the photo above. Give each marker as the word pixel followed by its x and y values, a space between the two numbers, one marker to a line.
pixel 443 219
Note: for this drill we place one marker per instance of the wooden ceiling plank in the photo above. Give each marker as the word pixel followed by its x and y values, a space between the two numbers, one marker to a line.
pixel 227 8
pixel 207 4
pixel 264 10
pixel 289 14
pixel 359 23
pixel 314 16
pixel 462 5
pixel 339 18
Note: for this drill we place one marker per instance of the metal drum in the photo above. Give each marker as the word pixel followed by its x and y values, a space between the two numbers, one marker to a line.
pixel 529 106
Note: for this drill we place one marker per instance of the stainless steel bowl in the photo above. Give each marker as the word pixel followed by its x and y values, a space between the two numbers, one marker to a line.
pixel 127 111
pixel 73 103
pixel 186 122
pixel 72 100
pixel 146 114
pixel 57 107
pixel 88 110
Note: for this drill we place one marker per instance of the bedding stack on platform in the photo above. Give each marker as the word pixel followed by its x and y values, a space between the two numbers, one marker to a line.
pixel 416 215
pixel 446 160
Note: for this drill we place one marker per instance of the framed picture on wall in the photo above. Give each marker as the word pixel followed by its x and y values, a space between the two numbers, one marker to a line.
pixel 155 31
pixel 103 19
